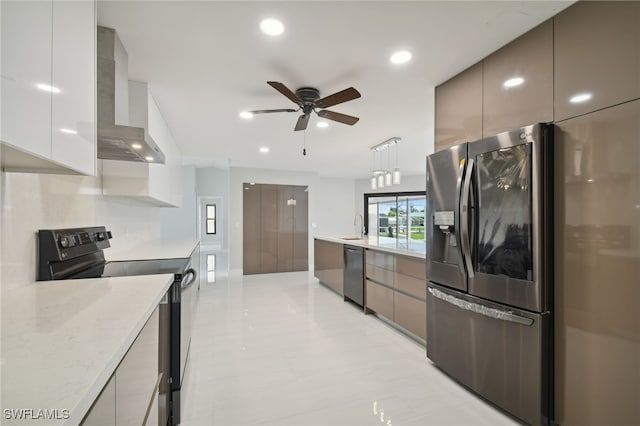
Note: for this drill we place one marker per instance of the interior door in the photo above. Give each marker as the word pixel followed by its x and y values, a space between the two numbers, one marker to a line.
pixel 508 178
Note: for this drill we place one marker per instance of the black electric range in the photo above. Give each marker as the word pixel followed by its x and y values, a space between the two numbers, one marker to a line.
pixel 75 253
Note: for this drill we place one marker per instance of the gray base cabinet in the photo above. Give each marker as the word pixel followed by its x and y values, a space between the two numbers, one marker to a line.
pixel 396 289
pixel 329 264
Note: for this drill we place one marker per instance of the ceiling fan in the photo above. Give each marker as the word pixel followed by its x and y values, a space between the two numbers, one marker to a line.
pixel 308 100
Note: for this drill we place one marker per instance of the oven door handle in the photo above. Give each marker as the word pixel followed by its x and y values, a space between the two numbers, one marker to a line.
pixel 188 278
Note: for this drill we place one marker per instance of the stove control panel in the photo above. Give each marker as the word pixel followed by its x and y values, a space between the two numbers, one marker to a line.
pixel 60 245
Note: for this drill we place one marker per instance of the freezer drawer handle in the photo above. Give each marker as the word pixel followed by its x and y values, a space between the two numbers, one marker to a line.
pixel 480 309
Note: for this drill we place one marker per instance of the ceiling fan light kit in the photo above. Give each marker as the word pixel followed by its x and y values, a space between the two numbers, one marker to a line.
pixel 308 100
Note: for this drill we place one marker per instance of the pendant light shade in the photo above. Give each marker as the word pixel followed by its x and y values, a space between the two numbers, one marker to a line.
pixel 374 182
pixel 381 180
pixel 396 176
pixel 388 179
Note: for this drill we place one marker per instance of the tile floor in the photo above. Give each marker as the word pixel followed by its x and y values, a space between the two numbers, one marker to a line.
pixel 281 349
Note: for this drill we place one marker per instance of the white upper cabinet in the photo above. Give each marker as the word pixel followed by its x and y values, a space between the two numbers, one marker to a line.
pixel 48 86
pixel 158 184
pixel 26 75
pixel 74 70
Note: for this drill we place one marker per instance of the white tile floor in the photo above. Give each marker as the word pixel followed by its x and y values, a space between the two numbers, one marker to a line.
pixel 281 349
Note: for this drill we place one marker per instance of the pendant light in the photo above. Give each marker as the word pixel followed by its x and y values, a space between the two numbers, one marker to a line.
pixel 388 179
pixel 396 171
pixel 385 177
pixel 374 179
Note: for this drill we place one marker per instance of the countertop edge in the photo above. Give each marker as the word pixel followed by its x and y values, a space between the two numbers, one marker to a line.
pixel 85 403
pixel 365 244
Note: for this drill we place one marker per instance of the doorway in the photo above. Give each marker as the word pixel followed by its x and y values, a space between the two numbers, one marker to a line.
pixel 211 221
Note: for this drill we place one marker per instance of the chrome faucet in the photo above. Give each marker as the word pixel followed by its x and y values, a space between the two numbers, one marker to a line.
pixel 355 222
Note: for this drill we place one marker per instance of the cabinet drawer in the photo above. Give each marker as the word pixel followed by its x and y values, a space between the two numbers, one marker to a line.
pixel 379 299
pixel 380 275
pixel 416 268
pixel 411 314
pixel 382 260
pixel 411 285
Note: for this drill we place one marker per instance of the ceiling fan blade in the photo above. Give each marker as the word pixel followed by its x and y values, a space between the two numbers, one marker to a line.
pixel 265 111
pixel 336 116
pixel 303 120
pixel 286 91
pixel 338 98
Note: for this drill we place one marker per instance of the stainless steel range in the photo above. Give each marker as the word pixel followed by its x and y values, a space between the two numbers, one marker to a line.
pixel 78 253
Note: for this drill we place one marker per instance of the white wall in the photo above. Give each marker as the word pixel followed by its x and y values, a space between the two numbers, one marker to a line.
pixel 180 223
pixel 331 204
pixel 38 201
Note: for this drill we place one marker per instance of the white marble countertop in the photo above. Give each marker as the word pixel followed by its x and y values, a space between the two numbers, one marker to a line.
pixel 373 243
pixel 161 249
pixel 62 340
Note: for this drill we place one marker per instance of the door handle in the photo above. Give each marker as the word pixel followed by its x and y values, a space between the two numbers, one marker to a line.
pixel 189 278
pixel 464 219
pixel 456 214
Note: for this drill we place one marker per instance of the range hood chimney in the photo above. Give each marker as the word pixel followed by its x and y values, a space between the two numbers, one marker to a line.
pixel 116 139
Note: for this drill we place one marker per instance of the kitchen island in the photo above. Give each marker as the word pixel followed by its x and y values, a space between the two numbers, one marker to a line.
pixel 394 282
pixel 63 340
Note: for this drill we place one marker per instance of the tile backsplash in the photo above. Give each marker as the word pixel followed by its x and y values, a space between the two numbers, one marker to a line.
pixel 39 201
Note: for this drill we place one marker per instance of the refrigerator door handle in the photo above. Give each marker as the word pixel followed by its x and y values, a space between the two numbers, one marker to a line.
pixel 456 214
pixel 465 245
pixel 498 314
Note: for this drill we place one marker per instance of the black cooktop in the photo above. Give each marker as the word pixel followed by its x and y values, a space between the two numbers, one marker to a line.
pixel 78 253
pixel 134 267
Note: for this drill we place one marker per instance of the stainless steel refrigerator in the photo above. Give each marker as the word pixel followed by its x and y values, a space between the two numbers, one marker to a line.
pixel 489 268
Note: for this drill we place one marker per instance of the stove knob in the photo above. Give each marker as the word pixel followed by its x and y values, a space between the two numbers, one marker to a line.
pixel 64 242
pixel 100 236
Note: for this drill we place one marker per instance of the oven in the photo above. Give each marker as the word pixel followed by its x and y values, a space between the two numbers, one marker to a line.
pixel 75 253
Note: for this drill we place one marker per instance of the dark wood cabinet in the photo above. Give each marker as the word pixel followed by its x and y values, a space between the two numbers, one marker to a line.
pixel 596 53
pixel 506 105
pixel 458 109
pixel 275 228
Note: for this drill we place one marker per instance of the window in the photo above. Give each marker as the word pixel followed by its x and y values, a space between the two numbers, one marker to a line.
pixel 211 268
pixel 211 218
pixel 397 219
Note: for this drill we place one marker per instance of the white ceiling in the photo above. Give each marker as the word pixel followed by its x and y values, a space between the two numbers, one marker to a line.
pixel 205 61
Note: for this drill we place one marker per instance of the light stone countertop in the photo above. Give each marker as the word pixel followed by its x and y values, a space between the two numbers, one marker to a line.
pixel 372 243
pixel 62 340
pixel 161 249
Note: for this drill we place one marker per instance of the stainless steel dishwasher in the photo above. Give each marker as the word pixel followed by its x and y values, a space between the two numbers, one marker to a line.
pixel 354 274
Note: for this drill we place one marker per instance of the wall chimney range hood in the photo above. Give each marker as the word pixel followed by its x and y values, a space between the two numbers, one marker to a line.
pixel 116 139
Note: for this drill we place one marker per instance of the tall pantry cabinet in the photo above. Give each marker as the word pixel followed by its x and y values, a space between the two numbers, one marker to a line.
pixel 275 228
pixel 592 95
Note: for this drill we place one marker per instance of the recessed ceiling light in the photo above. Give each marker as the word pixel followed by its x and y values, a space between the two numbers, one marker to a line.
pixel 148 158
pixel 322 124
pixel 580 97
pixel 401 57
pixel 272 27
pixel 513 82
pixel 47 88
pixel 264 149
pixel 69 131
pixel 136 145
pixel 246 115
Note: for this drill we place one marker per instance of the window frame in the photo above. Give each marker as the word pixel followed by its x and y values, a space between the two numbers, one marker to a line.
pixel 208 218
